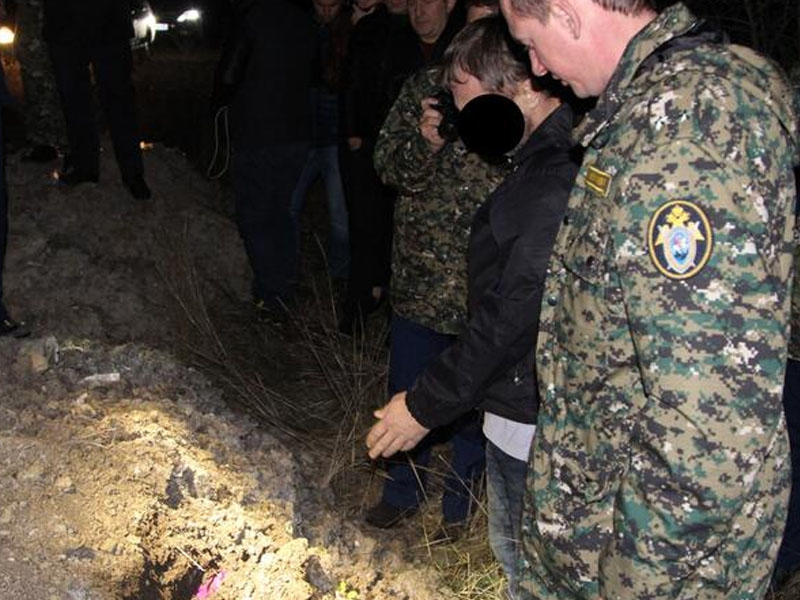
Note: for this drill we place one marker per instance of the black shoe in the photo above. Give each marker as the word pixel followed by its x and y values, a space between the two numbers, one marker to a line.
pixel 72 177
pixel 138 188
pixel 10 327
pixel 354 314
pixel 41 153
pixel 385 515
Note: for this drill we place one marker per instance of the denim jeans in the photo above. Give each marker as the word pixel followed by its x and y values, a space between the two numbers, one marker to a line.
pixel 324 162
pixel 413 346
pixel 505 489
pixel 789 553
pixel 263 182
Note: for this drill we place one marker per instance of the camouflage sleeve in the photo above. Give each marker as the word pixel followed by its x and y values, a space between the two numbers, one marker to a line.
pixel 402 157
pixel 703 262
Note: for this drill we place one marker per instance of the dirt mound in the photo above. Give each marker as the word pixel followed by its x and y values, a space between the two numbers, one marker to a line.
pixel 123 472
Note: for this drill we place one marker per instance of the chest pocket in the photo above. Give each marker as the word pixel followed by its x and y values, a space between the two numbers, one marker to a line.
pixel 584 299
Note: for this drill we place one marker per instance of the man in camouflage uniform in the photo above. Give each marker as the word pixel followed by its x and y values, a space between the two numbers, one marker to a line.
pixel 440 185
pixel 44 121
pixel 660 467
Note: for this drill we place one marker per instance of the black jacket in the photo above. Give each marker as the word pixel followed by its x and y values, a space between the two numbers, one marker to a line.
pixel 266 69
pixel 87 22
pixel 491 365
pixel 383 52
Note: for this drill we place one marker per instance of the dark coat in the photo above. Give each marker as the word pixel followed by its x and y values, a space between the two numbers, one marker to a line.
pixel 87 22
pixel 266 68
pixel 491 365
pixel 383 52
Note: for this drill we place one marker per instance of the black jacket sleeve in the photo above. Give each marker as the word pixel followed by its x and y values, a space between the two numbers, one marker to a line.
pixel 233 61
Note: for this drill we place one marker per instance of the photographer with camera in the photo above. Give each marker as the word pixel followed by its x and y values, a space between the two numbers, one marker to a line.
pixel 440 185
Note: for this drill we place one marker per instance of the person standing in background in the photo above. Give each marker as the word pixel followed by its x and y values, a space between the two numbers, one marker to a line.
pixel 95 33
pixel 8 326
pixel 44 121
pixel 266 69
pixel 333 29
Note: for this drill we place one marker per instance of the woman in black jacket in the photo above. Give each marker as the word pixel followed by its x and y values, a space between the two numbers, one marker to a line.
pixel 491 365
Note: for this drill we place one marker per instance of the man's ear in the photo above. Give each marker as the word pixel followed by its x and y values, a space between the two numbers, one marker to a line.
pixel 450 4
pixel 566 15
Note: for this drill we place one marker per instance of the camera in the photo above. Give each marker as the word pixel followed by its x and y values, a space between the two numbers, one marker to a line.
pixel 446 106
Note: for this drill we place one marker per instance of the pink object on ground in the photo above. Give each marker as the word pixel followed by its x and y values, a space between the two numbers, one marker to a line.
pixel 209 587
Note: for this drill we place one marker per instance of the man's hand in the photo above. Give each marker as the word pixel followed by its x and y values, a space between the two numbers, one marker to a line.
pixel 429 125
pixel 396 430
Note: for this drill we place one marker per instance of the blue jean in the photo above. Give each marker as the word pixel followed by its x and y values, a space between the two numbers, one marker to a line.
pixel 789 553
pixel 324 162
pixel 505 489
pixel 263 182
pixel 413 346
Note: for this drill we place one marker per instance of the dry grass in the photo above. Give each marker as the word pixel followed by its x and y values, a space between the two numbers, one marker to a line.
pixel 343 381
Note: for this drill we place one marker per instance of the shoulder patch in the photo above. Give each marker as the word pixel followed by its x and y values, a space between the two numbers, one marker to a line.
pixel 679 239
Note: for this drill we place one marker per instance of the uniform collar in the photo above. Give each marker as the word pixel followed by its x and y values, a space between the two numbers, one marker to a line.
pixel 672 22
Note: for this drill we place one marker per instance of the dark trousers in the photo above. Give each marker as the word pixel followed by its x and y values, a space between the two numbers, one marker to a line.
pixel 370 207
pixel 413 346
pixel 789 554
pixel 263 182
pixel 3 219
pixel 111 65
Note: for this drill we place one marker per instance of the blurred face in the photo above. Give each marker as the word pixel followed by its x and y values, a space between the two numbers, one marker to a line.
pixel 553 48
pixel 465 87
pixel 366 5
pixel 326 10
pixel 397 7
pixel 428 18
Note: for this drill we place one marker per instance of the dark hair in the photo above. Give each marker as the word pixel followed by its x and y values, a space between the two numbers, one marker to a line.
pixel 485 50
pixel 540 9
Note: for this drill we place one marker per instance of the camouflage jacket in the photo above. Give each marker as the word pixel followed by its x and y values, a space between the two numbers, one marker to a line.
pixel 660 466
pixel 437 198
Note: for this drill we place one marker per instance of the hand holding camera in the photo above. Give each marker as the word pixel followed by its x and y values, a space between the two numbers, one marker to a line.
pixel 438 123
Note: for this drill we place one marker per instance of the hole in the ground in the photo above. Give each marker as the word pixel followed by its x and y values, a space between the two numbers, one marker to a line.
pixel 153 587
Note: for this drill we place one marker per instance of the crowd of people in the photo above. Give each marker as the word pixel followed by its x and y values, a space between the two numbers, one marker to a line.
pixel 596 314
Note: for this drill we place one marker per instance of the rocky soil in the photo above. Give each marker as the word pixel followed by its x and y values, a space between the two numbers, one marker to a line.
pixel 125 472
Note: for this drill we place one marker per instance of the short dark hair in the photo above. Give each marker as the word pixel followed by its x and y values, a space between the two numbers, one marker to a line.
pixel 485 50
pixel 540 9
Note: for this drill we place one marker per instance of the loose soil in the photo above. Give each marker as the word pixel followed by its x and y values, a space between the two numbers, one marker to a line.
pixel 129 468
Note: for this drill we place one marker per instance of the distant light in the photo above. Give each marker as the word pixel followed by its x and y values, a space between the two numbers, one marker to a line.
pixel 6 36
pixel 146 145
pixel 189 16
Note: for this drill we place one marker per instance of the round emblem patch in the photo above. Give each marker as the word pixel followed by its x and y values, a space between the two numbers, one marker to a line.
pixel 679 239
